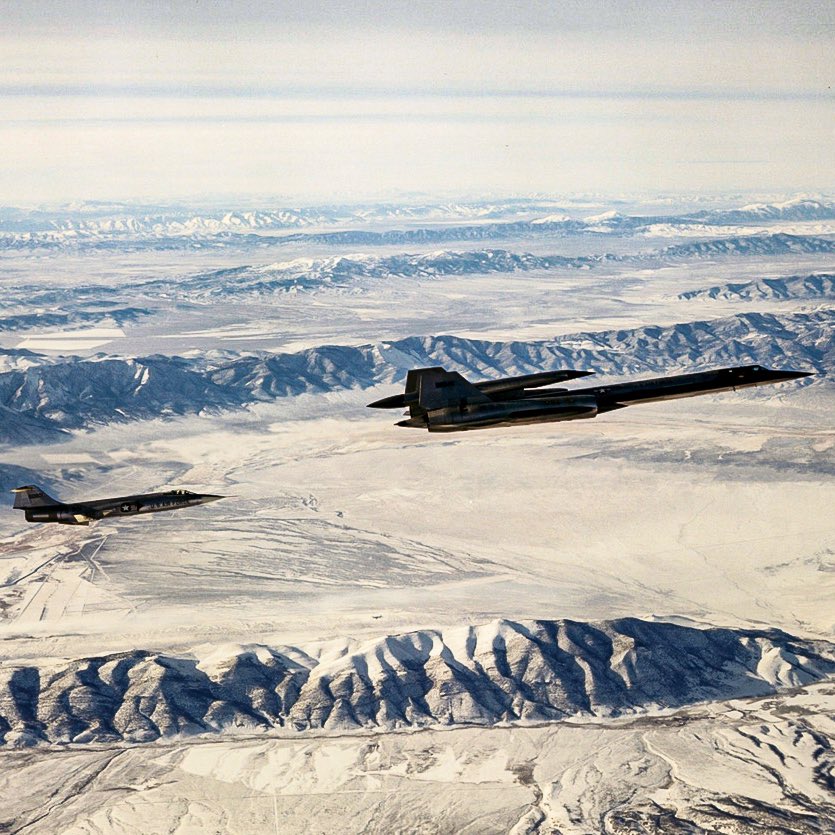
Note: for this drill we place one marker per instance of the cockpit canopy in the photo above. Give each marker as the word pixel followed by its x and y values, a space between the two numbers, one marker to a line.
pixel 181 493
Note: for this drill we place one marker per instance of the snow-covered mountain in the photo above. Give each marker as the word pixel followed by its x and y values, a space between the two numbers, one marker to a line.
pixel 501 671
pixel 799 208
pixel 56 318
pixel 202 235
pixel 800 339
pixel 72 393
pixel 770 244
pixel 815 286
pixel 87 302
pixel 92 217
pixel 21 358
pixel 344 272
pixel 352 272
pixel 762 243
pixel 101 226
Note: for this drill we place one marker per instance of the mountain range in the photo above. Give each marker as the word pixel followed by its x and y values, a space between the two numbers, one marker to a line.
pixel 503 671
pixel 127 226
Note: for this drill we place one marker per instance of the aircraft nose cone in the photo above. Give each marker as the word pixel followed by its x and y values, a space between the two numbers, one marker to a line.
pixel 791 375
pixel 208 497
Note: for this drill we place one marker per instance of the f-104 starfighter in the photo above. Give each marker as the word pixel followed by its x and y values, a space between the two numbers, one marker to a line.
pixel 41 507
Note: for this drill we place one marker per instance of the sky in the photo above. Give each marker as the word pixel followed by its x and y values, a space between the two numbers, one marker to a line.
pixel 312 101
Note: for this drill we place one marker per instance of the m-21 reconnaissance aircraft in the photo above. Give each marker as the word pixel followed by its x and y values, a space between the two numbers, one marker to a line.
pixel 40 507
pixel 443 401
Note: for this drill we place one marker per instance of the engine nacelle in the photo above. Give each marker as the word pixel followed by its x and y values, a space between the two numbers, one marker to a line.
pixel 512 411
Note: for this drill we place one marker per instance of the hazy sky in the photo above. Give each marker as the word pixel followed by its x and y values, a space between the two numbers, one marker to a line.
pixel 342 100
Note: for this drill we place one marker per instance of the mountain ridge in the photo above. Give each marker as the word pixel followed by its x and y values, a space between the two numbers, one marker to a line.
pixel 502 671
pixel 812 286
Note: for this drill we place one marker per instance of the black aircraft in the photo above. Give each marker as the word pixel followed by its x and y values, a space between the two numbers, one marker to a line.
pixel 39 507
pixel 443 401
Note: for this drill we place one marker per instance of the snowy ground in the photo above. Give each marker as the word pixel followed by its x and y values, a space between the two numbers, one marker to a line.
pixel 711 511
pixel 740 766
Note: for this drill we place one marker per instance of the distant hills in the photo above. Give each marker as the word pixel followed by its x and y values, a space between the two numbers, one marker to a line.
pixel 814 286
pixel 775 244
pixel 799 208
pixel 102 226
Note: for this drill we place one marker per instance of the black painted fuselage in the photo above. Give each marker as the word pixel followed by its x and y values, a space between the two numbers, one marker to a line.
pixel 443 401
pixel 40 507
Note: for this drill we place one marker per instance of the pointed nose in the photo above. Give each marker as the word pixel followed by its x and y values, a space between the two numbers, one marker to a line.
pixel 208 497
pixel 792 375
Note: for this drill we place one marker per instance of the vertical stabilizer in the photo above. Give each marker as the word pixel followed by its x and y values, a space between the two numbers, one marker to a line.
pixel 411 394
pixel 31 496
pixel 436 388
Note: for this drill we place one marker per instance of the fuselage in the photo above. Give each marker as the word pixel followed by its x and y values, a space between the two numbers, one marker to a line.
pixel 81 513
pixel 468 407
pixel 542 409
